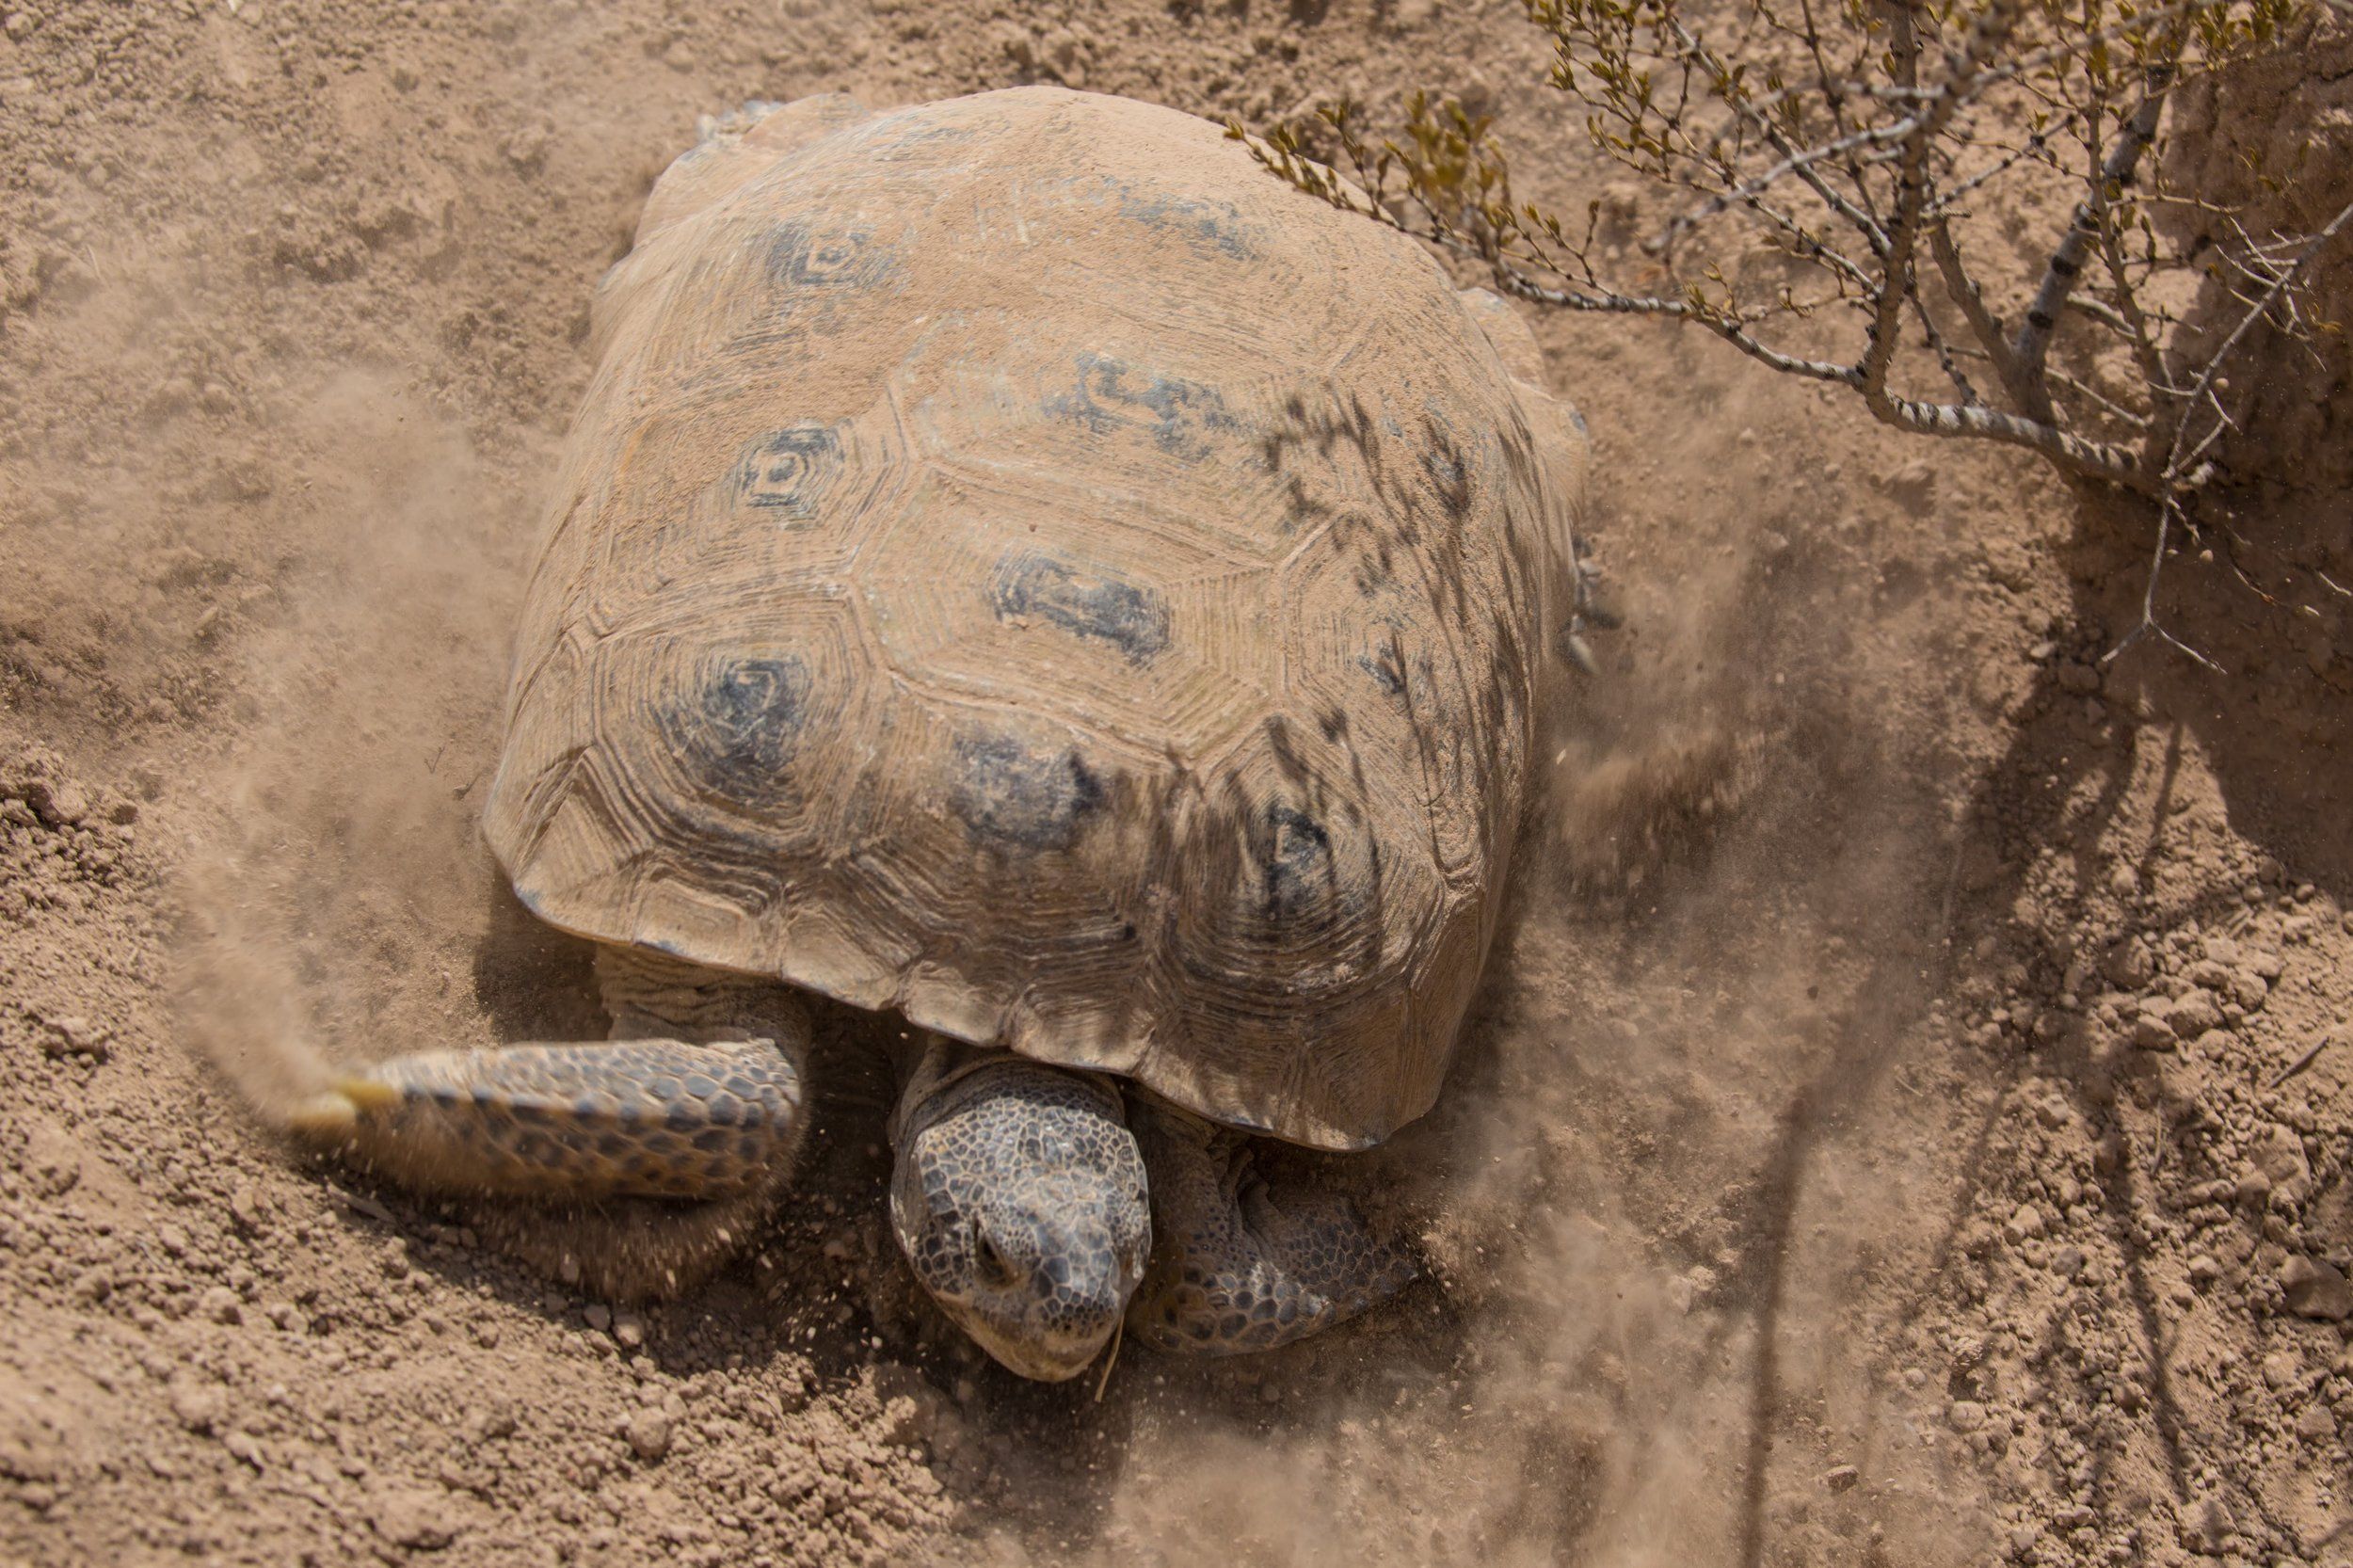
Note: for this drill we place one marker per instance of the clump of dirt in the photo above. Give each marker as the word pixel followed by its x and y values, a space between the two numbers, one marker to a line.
pixel 1907 1118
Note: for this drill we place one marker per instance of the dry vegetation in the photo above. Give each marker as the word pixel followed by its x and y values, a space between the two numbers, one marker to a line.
pixel 1862 147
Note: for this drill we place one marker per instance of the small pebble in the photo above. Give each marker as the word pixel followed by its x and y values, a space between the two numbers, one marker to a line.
pixel 2315 1289
pixel 2192 1014
pixel 201 1407
pixel 413 1516
pixel 649 1435
pixel 2206 1526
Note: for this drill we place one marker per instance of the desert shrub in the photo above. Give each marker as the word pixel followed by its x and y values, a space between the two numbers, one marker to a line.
pixel 1882 153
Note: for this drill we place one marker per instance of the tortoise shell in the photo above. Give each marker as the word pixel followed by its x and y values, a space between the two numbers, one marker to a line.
pixel 1021 564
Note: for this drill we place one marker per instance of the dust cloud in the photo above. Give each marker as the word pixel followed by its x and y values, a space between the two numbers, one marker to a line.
pixel 1643 1198
pixel 335 910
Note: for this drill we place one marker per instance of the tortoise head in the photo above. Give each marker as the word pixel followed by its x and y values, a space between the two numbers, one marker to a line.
pixel 1019 1200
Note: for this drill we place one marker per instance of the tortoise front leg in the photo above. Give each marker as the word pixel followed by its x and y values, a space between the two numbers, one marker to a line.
pixel 642 1118
pixel 641 1160
pixel 1237 1266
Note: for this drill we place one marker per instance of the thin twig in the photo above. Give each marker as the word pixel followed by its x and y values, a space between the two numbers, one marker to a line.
pixel 2066 264
pixel 2303 1062
pixel 2202 388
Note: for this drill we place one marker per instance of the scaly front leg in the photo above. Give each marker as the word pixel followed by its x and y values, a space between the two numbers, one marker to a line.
pixel 634 1164
pixel 1236 1266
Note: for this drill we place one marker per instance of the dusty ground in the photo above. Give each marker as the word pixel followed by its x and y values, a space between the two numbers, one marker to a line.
pixel 1884 1139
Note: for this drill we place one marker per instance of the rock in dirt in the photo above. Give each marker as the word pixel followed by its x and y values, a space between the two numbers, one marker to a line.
pixel 413 1516
pixel 488 1421
pixel 2151 1032
pixel 2079 680
pixel 2206 1526
pixel 2192 1014
pixel 58 805
pixel 1913 483
pixel 2315 1289
pixel 649 1435
pixel 199 1407
pixel 2129 965
pixel 78 1035
pixel 2279 1154
pixel 244 1209
pixel 51 1159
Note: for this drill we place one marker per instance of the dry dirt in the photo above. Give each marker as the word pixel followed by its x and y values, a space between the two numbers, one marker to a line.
pixel 1893 1132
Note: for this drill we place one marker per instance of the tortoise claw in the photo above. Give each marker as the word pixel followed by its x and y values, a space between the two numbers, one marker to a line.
pixel 333 1112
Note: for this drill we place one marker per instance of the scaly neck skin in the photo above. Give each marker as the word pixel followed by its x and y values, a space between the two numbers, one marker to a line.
pixel 923 1064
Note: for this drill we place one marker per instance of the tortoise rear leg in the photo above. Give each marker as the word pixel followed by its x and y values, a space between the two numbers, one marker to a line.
pixel 1237 1266
pixel 642 1160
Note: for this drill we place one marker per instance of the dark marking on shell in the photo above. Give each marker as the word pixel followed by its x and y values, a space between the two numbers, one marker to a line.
pixel 788 471
pixel 1110 394
pixel 1102 609
pixel 838 259
pixel 1216 225
pixel 739 729
pixel 1015 798
pixel 1297 868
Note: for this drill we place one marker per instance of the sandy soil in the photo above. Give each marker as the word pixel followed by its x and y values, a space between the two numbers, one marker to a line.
pixel 1892 1132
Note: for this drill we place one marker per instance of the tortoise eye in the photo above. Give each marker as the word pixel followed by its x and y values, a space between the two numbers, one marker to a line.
pixel 994 1268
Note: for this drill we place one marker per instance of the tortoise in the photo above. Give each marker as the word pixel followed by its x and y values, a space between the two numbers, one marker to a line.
pixel 1019 567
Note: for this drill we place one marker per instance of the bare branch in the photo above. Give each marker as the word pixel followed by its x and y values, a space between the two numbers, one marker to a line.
pixel 1965 295
pixel 1986 35
pixel 2033 343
